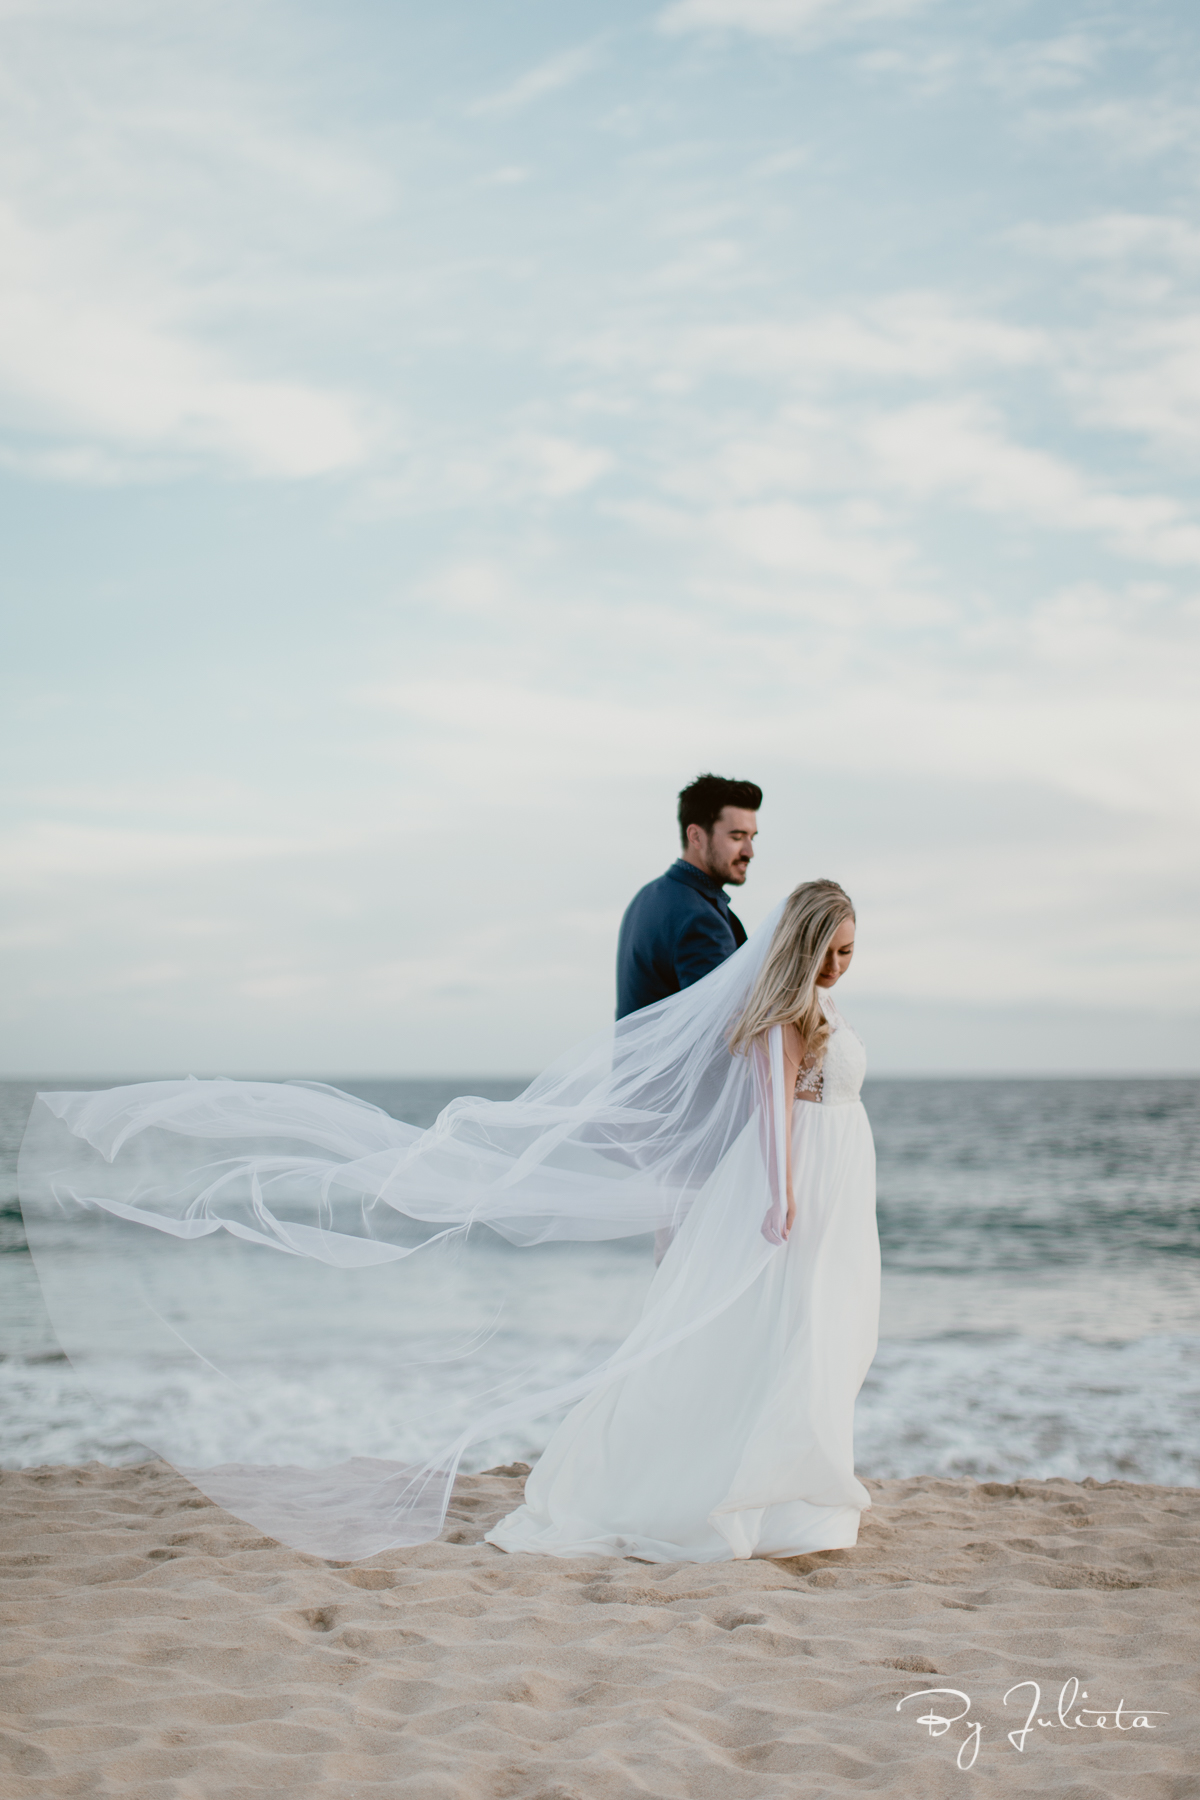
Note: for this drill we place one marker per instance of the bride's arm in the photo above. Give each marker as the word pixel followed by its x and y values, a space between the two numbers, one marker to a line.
pixel 793 1057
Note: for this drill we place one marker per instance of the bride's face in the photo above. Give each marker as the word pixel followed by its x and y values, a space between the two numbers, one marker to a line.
pixel 837 957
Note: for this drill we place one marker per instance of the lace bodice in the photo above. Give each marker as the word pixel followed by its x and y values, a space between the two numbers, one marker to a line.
pixel 838 1078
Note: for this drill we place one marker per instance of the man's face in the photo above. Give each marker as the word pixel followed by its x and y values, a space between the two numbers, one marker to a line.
pixel 725 852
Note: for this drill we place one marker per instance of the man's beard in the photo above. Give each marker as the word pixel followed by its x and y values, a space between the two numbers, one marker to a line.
pixel 733 871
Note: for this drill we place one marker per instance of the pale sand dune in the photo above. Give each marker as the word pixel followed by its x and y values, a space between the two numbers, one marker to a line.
pixel 158 1648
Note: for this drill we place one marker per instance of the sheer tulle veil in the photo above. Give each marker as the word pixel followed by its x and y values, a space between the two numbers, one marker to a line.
pixel 194 1227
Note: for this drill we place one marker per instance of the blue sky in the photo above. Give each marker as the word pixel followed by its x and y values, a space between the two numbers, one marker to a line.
pixel 428 437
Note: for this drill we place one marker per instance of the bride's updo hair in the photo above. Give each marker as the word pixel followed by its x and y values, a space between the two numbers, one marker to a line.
pixel 785 992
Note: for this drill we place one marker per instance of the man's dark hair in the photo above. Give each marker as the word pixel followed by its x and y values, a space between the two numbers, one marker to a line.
pixel 701 801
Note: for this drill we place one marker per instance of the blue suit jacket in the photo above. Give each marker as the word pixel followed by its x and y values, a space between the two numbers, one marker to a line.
pixel 674 931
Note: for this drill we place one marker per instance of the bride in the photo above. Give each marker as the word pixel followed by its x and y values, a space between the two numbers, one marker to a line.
pixel 738 1441
pixel 190 1224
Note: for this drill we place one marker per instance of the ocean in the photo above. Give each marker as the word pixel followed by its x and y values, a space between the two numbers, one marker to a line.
pixel 1041 1299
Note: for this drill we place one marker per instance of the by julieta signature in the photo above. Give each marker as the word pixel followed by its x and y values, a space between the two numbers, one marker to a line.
pixel 1067 1716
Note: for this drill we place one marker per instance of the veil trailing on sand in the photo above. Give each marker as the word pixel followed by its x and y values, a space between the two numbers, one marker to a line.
pixel 222 1237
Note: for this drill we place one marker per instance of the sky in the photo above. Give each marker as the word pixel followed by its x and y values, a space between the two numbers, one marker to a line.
pixel 429 437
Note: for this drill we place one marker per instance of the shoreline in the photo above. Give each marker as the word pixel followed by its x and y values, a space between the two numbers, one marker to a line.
pixel 157 1645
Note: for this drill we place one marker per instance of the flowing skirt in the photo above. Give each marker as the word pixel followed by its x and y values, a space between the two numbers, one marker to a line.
pixel 739 1440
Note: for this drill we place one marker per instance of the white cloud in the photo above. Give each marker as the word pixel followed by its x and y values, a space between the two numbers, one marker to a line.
pixel 1143 379
pixel 796 540
pixel 1133 242
pixel 1132 364
pixel 961 447
pixel 47 851
pixel 1045 65
pixel 470 587
pixel 560 466
pixel 780 18
pixel 547 77
pixel 1127 130
pixel 290 984
pixel 484 468
pixel 152 194
pixel 911 336
pixel 787 454
pixel 1089 693
pixel 88 355
pixel 1044 940
pixel 523 725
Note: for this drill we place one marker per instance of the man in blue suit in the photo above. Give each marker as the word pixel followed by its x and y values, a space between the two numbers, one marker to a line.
pixel 680 926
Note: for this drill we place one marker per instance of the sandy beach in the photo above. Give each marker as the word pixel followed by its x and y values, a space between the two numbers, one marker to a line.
pixel 155 1646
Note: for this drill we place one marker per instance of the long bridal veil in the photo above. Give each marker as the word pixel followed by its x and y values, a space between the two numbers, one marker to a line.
pixel 233 1261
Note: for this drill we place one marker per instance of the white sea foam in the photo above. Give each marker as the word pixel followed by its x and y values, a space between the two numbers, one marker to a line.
pixel 1005 1406
pixel 990 1408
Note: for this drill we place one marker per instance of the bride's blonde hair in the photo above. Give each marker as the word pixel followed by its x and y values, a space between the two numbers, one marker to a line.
pixel 785 992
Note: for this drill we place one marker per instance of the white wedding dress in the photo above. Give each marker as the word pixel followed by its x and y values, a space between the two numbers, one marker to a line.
pixel 738 1442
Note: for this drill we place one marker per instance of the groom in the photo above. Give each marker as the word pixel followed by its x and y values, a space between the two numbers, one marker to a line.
pixel 680 926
